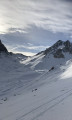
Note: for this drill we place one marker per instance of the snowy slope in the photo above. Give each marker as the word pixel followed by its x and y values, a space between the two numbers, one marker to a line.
pixel 51 101
pixel 14 76
pixel 31 90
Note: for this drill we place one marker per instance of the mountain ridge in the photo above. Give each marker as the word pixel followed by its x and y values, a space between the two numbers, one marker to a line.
pixel 56 49
pixel 55 55
pixel 59 48
pixel 4 50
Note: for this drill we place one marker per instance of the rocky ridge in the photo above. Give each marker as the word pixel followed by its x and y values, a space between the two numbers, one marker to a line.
pixel 59 48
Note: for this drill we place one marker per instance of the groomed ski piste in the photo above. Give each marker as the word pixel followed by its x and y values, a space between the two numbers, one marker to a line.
pixel 36 88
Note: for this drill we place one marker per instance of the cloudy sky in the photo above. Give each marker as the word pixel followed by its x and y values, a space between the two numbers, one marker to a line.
pixel 30 26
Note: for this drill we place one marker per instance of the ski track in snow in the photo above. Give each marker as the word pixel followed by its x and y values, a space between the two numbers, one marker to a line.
pixel 52 103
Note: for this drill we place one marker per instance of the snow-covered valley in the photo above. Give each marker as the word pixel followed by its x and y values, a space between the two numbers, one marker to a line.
pixel 36 88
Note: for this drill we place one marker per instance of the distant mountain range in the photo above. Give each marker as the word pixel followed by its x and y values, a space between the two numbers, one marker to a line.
pixel 58 49
pixel 55 55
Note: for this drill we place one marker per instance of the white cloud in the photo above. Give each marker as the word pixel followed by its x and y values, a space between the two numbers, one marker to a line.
pixel 36 40
pixel 28 48
pixel 37 22
pixel 53 15
pixel 26 53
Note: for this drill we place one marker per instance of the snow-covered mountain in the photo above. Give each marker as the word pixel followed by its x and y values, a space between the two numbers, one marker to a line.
pixel 53 56
pixel 37 87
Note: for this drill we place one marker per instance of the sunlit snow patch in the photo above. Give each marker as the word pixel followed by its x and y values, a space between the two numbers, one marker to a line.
pixel 68 70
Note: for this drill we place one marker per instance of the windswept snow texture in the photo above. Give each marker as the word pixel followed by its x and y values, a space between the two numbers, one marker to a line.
pixel 36 88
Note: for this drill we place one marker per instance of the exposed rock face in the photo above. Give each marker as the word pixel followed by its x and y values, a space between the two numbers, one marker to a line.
pixel 54 47
pixel 3 48
pixel 68 47
pixel 59 48
pixel 58 54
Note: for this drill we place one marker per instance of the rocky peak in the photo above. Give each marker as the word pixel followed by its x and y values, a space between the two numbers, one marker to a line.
pixel 67 43
pixel 3 48
pixel 57 44
pixel 59 48
pixel 54 47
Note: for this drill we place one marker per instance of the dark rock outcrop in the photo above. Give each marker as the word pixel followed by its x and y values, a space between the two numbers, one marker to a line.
pixel 58 54
pixel 3 48
pixel 51 69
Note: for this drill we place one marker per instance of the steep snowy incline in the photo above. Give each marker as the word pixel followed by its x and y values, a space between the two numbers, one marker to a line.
pixel 51 101
pixel 14 76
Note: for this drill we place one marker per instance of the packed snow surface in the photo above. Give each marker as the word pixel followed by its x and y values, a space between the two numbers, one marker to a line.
pixel 31 90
